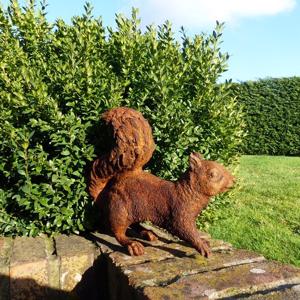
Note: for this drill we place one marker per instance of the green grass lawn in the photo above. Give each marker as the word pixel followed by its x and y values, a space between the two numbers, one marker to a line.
pixel 265 213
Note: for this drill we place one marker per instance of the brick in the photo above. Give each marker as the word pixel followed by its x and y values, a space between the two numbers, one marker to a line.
pixel 28 269
pixel 76 255
pixel 6 245
pixel 28 249
pixel 5 253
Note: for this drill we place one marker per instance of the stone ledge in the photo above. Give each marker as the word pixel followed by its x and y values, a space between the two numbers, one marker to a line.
pixel 170 270
pixel 97 267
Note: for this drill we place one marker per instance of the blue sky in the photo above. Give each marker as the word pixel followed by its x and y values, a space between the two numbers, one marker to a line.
pixel 261 36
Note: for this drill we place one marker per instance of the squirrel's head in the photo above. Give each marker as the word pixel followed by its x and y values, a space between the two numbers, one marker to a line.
pixel 210 177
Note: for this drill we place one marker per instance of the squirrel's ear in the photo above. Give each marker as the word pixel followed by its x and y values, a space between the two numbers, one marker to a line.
pixel 195 160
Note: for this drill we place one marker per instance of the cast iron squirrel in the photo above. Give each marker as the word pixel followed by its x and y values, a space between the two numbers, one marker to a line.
pixel 127 195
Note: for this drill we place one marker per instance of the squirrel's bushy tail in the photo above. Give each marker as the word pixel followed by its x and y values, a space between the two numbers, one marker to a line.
pixel 132 148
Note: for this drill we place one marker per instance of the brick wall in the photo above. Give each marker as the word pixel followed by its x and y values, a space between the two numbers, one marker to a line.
pixel 97 267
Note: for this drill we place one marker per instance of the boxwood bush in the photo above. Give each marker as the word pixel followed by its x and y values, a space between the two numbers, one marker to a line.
pixel 57 78
pixel 272 115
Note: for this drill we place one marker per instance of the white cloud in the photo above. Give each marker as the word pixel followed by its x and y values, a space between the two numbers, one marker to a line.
pixel 195 13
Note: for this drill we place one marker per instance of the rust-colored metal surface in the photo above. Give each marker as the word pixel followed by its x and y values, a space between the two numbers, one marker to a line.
pixel 133 146
pixel 126 195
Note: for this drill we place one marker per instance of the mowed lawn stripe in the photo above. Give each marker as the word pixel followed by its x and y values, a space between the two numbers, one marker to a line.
pixel 265 211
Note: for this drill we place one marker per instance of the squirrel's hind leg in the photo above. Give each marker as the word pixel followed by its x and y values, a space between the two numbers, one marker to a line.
pixel 134 248
pixel 148 235
pixel 119 221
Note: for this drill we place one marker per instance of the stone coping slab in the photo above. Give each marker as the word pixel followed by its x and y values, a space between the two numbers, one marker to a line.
pixel 237 280
pixel 154 251
pixel 171 270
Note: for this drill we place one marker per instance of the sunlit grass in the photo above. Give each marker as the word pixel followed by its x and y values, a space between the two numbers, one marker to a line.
pixel 265 214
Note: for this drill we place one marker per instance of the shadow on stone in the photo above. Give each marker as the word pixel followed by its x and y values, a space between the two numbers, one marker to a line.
pixel 116 247
pixel 94 282
pixel 113 247
pixel 98 240
pixel 175 252
pixel 29 289
pixel 92 286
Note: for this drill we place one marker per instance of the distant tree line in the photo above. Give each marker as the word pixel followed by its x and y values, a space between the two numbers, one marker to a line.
pixel 272 115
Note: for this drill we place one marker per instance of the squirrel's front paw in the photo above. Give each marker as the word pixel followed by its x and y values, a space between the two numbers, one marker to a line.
pixel 204 248
pixel 135 248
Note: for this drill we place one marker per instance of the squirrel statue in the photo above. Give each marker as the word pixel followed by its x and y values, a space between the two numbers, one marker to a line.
pixel 127 195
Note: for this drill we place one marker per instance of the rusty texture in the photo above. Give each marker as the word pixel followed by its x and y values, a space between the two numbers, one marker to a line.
pixel 127 195
pixel 133 146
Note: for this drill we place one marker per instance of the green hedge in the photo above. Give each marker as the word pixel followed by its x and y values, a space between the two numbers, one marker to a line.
pixel 55 81
pixel 272 115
